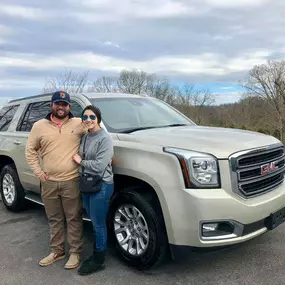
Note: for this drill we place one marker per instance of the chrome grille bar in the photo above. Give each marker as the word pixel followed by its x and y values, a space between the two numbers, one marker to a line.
pixel 255 172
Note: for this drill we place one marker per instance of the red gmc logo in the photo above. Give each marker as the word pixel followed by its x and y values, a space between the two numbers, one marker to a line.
pixel 268 168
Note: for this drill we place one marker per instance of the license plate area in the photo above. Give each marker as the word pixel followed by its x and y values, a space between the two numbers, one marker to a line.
pixel 275 219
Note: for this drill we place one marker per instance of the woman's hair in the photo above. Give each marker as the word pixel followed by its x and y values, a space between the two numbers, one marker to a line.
pixel 95 110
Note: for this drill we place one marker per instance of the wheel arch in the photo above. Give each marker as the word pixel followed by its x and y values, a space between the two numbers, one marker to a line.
pixel 130 186
pixel 5 160
pixel 147 188
pixel 19 202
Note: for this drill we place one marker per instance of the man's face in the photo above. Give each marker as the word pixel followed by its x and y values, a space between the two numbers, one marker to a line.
pixel 60 110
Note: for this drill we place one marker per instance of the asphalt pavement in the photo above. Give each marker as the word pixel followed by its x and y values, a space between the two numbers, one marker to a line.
pixel 24 240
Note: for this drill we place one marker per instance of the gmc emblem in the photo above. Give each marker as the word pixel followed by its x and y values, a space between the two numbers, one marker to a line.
pixel 268 168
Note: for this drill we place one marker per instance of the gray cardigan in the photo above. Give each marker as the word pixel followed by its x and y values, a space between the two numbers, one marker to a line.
pixel 98 154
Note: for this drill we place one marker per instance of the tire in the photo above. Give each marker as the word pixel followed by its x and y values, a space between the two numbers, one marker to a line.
pixel 156 244
pixel 9 180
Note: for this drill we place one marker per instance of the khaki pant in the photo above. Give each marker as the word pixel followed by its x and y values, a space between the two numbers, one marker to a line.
pixel 63 199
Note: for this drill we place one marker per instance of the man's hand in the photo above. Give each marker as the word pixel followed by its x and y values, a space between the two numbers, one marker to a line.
pixel 76 157
pixel 80 129
pixel 44 177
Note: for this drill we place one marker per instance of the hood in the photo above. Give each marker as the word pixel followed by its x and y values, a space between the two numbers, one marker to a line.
pixel 221 142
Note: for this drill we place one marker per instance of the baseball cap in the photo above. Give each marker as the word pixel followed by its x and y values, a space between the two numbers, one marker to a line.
pixel 60 96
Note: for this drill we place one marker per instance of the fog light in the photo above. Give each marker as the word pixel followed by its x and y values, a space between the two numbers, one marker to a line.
pixel 210 227
pixel 219 230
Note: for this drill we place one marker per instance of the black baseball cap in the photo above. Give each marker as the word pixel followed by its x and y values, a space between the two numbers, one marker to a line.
pixel 60 96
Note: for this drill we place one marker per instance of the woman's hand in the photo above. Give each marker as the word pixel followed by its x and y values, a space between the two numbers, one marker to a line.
pixel 76 157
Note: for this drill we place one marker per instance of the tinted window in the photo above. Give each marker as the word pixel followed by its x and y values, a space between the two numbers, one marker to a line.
pixel 34 112
pixel 6 116
pixel 119 114
pixel 38 111
pixel 76 109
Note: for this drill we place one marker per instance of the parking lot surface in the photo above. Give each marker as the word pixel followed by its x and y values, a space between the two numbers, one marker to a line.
pixel 24 240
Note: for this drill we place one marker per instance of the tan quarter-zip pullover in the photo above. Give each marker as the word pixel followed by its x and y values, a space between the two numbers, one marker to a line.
pixel 54 146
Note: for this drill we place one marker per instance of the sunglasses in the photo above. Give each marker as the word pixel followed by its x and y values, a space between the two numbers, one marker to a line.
pixel 92 117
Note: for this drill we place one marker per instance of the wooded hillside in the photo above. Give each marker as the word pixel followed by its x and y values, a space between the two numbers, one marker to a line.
pixel 262 107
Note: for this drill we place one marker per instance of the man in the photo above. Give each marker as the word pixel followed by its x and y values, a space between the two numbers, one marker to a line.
pixel 49 150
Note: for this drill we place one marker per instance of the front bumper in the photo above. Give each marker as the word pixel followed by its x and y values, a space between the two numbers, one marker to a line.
pixel 251 217
pixel 182 252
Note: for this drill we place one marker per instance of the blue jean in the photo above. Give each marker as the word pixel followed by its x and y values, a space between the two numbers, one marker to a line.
pixel 96 206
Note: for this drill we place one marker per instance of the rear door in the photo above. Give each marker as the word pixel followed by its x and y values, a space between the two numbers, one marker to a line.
pixel 11 145
pixel 33 112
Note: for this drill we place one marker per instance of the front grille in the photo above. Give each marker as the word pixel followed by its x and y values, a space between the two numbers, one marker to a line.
pixel 257 171
pixel 258 158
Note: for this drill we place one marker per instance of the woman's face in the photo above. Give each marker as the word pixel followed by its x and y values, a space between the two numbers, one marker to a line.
pixel 90 120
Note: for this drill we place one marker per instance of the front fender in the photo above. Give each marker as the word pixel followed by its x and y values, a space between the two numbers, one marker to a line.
pixel 155 167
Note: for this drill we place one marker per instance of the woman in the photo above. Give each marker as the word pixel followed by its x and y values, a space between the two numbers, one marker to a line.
pixel 94 159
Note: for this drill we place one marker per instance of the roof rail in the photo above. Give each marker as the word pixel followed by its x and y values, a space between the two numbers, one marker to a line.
pixel 30 97
pixel 144 94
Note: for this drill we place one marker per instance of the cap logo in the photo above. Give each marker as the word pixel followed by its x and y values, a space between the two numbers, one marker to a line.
pixel 62 94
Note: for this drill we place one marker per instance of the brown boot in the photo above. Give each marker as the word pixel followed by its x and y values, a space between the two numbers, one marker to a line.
pixel 50 259
pixel 73 261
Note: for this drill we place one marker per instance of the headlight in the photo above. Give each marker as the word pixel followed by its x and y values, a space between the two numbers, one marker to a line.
pixel 202 169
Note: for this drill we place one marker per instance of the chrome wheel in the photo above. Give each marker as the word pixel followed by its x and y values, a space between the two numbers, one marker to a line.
pixel 131 230
pixel 9 189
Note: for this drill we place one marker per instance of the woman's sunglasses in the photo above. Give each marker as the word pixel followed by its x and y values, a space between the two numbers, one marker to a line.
pixel 92 117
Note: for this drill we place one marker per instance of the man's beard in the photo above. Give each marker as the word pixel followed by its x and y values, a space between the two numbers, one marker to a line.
pixel 56 115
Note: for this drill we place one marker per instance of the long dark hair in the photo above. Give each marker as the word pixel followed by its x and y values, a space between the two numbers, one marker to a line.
pixel 95 110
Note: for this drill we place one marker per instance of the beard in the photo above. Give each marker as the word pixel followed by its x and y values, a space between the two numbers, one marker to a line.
pixel 60 114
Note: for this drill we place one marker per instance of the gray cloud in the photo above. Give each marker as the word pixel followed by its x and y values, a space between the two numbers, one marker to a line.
pixel 234 33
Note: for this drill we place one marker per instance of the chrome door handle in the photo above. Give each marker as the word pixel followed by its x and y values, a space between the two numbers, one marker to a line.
pixel 17 142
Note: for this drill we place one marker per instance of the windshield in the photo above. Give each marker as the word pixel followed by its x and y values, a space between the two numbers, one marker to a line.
pixel 122 114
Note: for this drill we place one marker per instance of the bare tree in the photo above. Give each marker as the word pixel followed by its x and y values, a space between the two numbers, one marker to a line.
pixel 69 81
pixel 191 101
pixel 105 84
pixel 135 82
pixel 162 90
pixel 132 82
pixel 267 81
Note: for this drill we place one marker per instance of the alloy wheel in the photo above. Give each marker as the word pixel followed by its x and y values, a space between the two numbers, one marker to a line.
pixel 131 230
pixel 9 188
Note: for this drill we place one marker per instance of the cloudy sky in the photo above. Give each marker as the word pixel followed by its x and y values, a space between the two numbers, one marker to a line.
pixel 206 42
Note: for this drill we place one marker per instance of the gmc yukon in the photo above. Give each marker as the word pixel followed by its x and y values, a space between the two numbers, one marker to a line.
pixel 178 186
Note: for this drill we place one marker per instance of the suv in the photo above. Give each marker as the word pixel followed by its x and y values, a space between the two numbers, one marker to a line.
pixel 178 186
